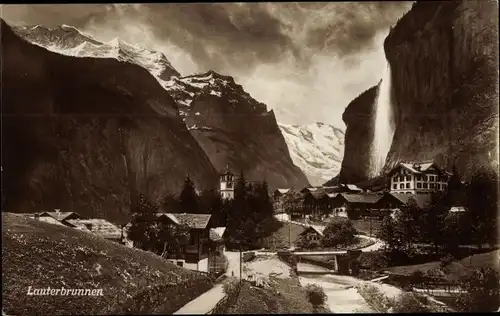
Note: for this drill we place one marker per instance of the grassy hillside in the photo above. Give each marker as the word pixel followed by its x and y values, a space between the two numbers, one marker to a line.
pixel 42 255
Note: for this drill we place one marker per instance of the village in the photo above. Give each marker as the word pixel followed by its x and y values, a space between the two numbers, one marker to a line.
pixel 321 232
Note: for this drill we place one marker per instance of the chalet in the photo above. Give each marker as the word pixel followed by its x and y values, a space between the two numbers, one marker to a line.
pixel 357 204
pixel 98 226
pixel 317 203
pixel 57 217
pixel 418 178
pixel 278 193
pixel 204 244
pixel 313 234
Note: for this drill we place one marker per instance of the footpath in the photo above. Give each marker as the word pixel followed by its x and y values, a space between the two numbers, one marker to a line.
pixel 208 300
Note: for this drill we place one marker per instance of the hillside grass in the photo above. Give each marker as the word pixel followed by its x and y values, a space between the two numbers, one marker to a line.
pixel 280 239
pixel 42 255
pixel 363 226
pixel 482 260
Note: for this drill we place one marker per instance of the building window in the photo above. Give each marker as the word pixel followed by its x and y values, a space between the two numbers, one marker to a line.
pixel 180 263
pixel 419 185
pixel 395 186
pixel 409 178
pixel 419 178
pixel 401 185
pixel 424 178
pixel 395 179
pixel 432 185
pixel 438 186
pixel 401 178
pixel 425 185
pixel 407 185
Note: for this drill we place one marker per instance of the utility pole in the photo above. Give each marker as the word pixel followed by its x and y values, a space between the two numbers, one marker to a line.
pixel 241 264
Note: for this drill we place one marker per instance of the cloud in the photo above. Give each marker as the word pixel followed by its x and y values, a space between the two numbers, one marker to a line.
pixel 307 59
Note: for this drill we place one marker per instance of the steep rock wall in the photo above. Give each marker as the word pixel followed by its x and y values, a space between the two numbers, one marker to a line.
pixel 444 61
pixel 88 135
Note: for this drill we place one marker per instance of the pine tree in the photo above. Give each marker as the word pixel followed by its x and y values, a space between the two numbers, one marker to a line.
pixel 142 229
pixel 407 224
pixel 188 199
pixel 433 220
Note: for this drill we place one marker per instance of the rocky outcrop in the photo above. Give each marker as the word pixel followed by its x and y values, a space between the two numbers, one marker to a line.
pixel 234 129
pixel 444 61
pixel 358 118
pixel 89 134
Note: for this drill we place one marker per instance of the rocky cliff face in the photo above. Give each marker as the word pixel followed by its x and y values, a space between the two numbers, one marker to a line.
pixel 234 129
pixel 89 134
pixel 358 118
pixel 444 61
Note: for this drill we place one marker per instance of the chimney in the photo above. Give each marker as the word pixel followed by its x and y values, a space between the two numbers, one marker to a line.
pixel 57 210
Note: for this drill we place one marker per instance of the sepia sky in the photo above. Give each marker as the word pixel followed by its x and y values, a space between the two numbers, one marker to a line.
pixel 305 60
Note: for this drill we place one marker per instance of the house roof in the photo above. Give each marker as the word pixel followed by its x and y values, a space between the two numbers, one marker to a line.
pixel 169 216
pixel 332 195
pixel 100 227
pixel 362 198
pixel 282 191
pixel 353 187
pixel 418 168
pixel 317 229
pixel 59 215
pixel 197 221
pixel 318 194
pixel 457 209
pixel 421 199
pixel 217 233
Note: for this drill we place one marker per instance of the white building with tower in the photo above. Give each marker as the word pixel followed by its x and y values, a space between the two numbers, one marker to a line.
pixel 227 184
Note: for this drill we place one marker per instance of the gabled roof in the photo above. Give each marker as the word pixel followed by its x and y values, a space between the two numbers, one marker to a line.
pixel 412 167
pixel 457 209
pixel 317 229
pixel 353 187
pixel 59 216
pixel 169 216
pixel 98 226
pixel 282 191
pixel 421 199
pixel 361 198
pixel 217 233
pixel 196 221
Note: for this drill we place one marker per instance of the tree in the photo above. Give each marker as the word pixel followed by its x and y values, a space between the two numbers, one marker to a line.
pixel 188 199
pixel 432 223
pixel 482 205
pixel 339 231
pixel 169 237
pixel 407 224
pixel 408 302
pixel 142 230
pixel 387 234
pixel 315 295
pixel 482 291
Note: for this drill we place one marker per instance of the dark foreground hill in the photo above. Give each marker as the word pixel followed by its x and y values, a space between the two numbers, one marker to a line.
pixel 42 255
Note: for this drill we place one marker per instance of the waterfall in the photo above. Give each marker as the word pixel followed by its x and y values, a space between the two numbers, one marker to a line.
pixel 383 128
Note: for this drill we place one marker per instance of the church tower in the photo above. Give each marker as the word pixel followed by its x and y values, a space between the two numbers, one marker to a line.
pixel 227 184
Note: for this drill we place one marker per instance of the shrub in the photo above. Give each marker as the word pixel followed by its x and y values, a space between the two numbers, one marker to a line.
pixel 231 285
pixel 446 261
pixel 316 295
pixel 409 303
pixel 373 260
pixel 376 299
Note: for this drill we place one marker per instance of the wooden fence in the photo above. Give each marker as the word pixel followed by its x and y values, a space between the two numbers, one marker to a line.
pixel 225 303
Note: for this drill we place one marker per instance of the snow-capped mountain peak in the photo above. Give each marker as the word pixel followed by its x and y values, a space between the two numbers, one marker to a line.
pixel 68 40
pixel 316 148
